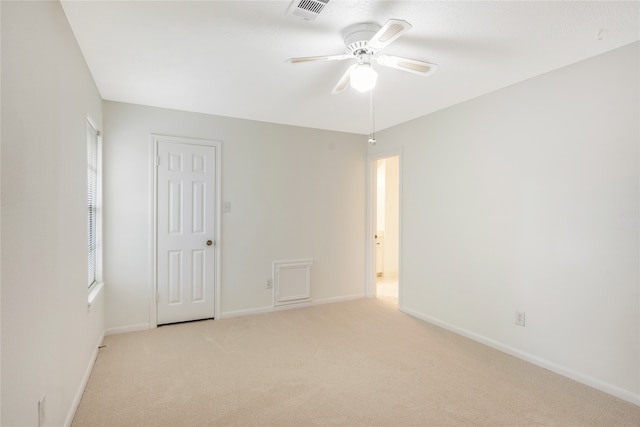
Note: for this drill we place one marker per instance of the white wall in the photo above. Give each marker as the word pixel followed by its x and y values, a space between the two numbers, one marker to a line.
pixel 391 237
pixel 294 193
pixel 0 218
pixel 528 199
pixel 49 337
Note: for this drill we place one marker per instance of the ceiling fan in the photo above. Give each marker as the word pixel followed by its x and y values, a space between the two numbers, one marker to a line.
pixel 364 43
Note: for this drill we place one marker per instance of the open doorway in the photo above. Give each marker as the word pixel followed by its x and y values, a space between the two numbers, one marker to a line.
pixel 387 227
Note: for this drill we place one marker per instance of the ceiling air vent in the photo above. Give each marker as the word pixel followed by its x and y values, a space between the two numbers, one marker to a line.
pixel 308 9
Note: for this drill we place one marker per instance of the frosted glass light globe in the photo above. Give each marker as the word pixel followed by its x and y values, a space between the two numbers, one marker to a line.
pixel 363 77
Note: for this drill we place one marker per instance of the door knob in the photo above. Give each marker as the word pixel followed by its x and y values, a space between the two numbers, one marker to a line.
pixel 209 243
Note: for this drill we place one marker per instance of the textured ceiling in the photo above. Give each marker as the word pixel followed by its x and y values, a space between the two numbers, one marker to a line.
pixel 228 57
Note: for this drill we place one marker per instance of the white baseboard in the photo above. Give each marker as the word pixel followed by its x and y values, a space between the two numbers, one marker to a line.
pixel 561 370
pixel 128 328
pixel 248 312
pixel 339 299
pixel 269 309
pixel 83 383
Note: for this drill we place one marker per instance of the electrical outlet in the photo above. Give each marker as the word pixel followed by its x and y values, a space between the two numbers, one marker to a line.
pixel 41 410
pixel 520 318
pixel 269 284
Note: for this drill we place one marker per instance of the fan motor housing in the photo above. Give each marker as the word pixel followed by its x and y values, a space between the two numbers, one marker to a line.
pixel 358 36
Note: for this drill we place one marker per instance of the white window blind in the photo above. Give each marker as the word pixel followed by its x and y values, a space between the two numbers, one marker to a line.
pixel 92 201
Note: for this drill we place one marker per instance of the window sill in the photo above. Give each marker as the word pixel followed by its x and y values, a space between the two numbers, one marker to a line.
pixel 93 294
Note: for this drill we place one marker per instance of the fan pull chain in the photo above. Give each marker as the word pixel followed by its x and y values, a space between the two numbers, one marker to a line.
pixel 372 137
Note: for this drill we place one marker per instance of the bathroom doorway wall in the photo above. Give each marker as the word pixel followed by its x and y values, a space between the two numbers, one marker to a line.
pixel 387 226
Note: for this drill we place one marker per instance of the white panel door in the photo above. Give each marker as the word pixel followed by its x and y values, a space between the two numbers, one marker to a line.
pixel 186 232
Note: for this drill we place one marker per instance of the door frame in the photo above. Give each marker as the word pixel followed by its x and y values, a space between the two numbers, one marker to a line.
pixel 217 145
pixel 372 181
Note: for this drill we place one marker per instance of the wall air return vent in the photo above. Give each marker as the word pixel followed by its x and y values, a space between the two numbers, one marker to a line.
pixel 307 9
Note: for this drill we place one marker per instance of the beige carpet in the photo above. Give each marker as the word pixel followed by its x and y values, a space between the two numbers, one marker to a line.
pixel 357 363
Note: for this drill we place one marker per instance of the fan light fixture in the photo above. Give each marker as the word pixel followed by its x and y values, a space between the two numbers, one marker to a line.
pixel 363 77
pixel 364 42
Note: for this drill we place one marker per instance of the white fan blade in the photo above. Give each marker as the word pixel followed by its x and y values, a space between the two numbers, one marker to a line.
pixel 319 58
pixel 344 81
pixel 405 64
pixel 388 33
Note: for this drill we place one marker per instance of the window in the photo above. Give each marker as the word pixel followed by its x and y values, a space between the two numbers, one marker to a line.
pixel 93 202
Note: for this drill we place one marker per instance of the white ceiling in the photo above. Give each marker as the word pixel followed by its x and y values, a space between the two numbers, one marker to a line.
pixel 228 57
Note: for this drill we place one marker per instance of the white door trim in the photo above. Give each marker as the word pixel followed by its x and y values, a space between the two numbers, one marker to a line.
pixel 154 140
pixel 371 221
